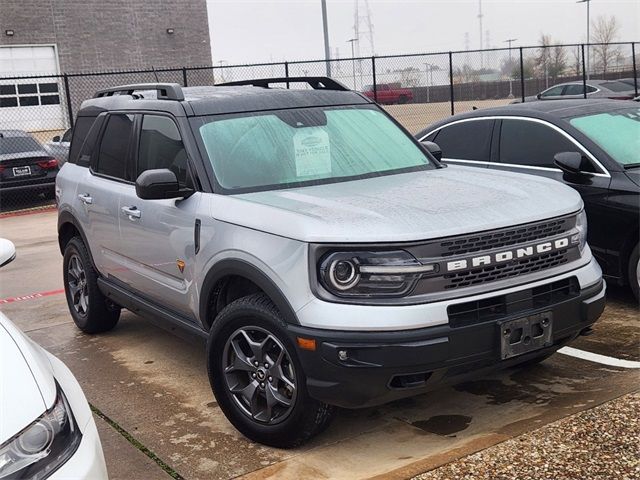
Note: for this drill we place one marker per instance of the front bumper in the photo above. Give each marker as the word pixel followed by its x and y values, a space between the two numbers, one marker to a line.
pixel 379 367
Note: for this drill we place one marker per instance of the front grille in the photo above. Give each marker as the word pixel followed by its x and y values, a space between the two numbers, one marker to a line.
pixel 503 238
pixel 501 306
pixel 492 273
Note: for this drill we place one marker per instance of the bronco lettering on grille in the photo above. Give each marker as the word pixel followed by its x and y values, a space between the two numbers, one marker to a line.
pixel 507 255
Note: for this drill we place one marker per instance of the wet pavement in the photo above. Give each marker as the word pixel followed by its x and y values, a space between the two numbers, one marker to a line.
pixel 153 385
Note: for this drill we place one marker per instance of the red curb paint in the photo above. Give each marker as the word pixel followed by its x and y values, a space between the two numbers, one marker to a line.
pixel 20 213
pixel 32 296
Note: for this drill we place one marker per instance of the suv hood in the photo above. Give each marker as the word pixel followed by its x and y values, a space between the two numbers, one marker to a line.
pixel 405 207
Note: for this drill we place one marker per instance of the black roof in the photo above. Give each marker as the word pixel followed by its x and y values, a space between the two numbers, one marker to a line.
pixel 549 109
pixel 214 100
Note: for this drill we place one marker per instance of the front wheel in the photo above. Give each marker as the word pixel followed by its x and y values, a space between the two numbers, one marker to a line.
pixel 257 378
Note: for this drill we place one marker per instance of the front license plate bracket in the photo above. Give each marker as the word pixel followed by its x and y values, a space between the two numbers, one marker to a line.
pixel 525 334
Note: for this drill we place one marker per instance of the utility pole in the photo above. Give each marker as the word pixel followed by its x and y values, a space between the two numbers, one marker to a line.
pixel 480 23
pixel 510 41
pixel 430 67
pixel 325 28
pixel 353 60
pixel 586 67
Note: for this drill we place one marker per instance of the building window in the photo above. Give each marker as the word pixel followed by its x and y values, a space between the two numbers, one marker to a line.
pixel 27 88
pixel 29 101
pixel 29 94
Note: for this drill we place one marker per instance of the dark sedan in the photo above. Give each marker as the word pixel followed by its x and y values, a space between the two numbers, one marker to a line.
pixel 623 89
pixel 25 164
pixel 591 145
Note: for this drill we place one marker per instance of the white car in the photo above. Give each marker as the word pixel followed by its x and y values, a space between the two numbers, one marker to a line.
pixel 46 426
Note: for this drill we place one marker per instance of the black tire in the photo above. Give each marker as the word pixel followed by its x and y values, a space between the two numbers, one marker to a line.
pixel 99 314
pixel 305 418
pixel 634 271
pixel 402 99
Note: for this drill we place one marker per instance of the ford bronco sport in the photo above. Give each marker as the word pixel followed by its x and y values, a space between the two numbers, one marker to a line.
pixel 326 256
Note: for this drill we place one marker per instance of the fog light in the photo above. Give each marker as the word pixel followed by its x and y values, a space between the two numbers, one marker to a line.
pixel 342 355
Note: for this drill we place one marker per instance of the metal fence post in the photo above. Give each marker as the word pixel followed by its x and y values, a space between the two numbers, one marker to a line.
pixel 375 86
pixel 635 69
pixel 521 75
pixel 451 82
pixel 68 97
pixel 286 71
pixel 584 74
pixel 184 76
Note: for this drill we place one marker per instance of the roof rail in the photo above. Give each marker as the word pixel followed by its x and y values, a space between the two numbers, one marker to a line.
pixel 165 91
pixel 317 83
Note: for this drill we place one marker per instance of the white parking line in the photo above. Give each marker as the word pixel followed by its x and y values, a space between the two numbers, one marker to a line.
pixel 597 358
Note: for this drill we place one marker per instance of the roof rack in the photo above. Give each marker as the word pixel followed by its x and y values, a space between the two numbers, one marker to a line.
pixel 165 91
pixel 317 83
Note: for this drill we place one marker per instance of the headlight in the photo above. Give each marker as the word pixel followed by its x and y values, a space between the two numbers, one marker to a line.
pixel 581 226
pixel 41 448
pixel 371 274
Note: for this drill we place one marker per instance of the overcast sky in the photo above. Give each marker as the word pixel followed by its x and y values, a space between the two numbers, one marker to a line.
pixel 246 31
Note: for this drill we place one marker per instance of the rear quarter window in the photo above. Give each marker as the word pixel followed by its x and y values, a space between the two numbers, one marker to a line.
pixel 85 134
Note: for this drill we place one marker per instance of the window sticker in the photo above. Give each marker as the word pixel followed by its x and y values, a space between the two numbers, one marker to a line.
pixel 312 154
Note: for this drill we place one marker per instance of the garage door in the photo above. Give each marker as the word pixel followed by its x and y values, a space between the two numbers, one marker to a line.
pixel 28 103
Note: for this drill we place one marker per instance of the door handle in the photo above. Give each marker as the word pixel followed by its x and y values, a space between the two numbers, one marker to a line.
pixel 131 212
pixel 86 198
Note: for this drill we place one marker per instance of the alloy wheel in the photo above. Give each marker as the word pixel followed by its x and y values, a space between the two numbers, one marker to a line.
pixel 260 375
pixel 77 283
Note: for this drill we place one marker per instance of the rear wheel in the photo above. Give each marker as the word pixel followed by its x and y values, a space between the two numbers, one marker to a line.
pixel 634 272
pixel 257 378
pixel 91 311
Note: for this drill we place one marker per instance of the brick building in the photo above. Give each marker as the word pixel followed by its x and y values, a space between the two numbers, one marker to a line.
pixel 51 37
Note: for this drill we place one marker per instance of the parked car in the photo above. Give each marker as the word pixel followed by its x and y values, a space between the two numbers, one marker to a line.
pixel 603 137
pixel 46 426
pixel 612 89
pixel 388 93
pixel 326 256
pixel 25 164
pixel 58 146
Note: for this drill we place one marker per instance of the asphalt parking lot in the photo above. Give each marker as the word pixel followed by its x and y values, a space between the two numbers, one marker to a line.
pixel 157 416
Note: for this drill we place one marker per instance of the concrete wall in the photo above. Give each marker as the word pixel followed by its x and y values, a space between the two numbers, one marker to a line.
pixel 93 35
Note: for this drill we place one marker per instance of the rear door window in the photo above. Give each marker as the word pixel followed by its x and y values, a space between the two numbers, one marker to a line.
pixel 524 142
pixel 469 140
pixel 114 147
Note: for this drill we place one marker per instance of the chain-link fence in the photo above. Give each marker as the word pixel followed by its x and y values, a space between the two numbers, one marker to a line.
pixel 37 112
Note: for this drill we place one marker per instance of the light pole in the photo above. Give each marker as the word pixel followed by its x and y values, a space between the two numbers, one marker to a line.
pixel 325 29
pixel 586 67
pixel 353 60
pixel 510 41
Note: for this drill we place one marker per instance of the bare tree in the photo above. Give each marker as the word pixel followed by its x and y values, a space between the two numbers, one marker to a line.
pixel 551 61
pixel 605 30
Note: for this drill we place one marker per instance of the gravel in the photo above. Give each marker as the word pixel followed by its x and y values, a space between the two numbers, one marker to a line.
pixel 600 443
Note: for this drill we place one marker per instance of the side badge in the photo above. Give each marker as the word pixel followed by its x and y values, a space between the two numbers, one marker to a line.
pixel 180 264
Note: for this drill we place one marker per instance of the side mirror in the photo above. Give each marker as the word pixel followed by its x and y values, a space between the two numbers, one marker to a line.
pixel 158 184
pixel 56 139
pixel 539 96
pixel 433 149
pixel 7 251
pixel 571 163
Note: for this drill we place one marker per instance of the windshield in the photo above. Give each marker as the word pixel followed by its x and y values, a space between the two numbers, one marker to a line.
pixel 10 145
pixel 617 133
pixel 300 147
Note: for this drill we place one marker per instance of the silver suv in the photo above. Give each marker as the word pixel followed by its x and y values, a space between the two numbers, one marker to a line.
pixel 327 257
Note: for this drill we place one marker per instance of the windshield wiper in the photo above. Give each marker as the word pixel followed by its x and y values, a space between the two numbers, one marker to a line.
pixel 631 165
